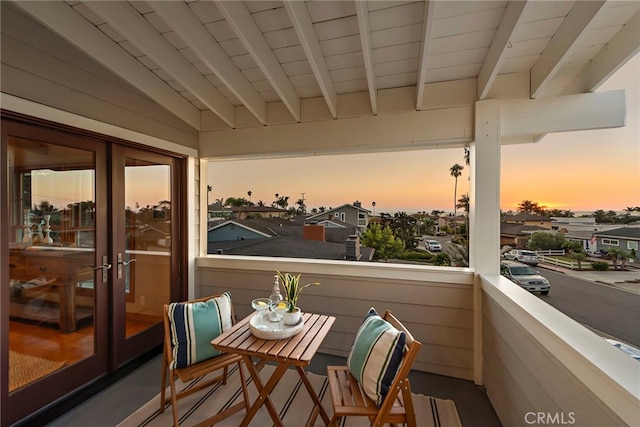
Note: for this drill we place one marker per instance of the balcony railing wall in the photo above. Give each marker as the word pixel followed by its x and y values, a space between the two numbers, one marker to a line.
pixel 538 364
pixel 436 304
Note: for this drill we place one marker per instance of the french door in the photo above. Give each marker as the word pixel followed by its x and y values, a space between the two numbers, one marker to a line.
pixel 145 273
pixel 88 260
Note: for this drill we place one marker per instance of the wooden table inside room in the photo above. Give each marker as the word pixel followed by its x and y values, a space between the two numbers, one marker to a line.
pixel 296 351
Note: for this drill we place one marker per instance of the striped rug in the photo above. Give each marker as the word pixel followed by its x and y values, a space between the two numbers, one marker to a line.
pixel 290 398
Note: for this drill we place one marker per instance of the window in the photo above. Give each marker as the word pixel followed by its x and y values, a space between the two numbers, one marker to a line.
pixel 610 242
pixel 345 188
pixel 632 245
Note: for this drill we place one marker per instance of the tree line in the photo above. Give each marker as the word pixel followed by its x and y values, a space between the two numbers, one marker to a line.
pixel 601 216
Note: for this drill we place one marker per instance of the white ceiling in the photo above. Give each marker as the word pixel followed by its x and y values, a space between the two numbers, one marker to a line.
pixel 230 58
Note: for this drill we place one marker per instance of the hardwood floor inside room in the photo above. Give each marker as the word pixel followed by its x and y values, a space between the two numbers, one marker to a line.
pixel 47 341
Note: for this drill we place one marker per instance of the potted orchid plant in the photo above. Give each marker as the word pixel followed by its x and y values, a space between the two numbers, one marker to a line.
pixel 292 290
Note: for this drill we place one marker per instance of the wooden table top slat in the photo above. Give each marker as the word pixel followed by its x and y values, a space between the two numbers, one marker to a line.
pixel 296 350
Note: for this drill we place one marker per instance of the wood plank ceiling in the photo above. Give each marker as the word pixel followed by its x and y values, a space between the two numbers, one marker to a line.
pixel 250 58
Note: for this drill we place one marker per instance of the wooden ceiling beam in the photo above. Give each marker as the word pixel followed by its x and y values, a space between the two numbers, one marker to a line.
pixel 128 21
pixel 244 26
pixel 513 16
pixel 563 43
pixel 362 12
pixel 62 19
pixel 182 20
pixel 299 15
pixel 429 16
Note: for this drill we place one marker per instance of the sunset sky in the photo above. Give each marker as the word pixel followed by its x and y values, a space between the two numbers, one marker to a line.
pixel 580 171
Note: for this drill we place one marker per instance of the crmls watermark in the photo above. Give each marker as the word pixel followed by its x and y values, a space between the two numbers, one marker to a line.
pixel 550 418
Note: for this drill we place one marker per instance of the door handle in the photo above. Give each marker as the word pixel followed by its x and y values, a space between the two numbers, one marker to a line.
pixel 121 263
pixel 105 266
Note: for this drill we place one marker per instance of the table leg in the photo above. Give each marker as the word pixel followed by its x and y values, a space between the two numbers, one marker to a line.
pixel 263 398
pixel 318 404
pixel 67 307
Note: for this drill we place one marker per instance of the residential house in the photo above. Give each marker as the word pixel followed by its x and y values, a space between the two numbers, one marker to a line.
pixel 583 230
pixel 283 238
pixel 624 238
pixel 93 92
pixel 245 212
pixel 517 235
pixel 353 214
pixel 515 230
pixel 565 224
pixel 528 219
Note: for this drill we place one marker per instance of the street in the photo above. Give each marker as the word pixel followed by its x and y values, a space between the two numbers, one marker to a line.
pixel 613 311
pixel 607 309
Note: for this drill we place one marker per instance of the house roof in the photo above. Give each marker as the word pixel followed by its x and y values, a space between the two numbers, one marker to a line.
pixel 579 234
pixel 526 217
pixel 507 229
pixel 289 247
pixel 265 226
pixel 257 208
pixel 346 205
pixel 275 227
pixel 632 233
pixel 338 223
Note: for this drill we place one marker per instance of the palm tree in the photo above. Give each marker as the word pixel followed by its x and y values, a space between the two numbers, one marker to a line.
pixel 374 207
pixel 463 203
pixel 249 193
pixel 303 208
pixel 527 206
pixel 456 171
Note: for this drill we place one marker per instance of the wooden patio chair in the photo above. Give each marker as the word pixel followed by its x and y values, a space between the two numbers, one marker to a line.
pixel 207 318
pixel 349 398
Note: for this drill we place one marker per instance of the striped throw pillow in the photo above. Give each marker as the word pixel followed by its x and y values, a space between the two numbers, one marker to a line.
pixel 376 355
pixel 194 325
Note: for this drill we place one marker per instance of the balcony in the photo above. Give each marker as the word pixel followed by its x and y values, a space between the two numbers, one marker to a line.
pixel 478 75
pixel 528 357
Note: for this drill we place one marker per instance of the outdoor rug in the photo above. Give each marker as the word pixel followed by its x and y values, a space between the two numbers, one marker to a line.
pixel 25 369
pixel 290 398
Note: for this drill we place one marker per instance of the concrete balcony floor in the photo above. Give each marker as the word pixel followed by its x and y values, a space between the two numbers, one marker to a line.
pixel 113 404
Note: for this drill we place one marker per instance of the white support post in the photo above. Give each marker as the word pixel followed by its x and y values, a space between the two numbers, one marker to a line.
pixel 485 189
pixel 485 209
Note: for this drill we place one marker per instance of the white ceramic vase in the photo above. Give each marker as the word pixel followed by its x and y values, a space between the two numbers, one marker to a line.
pixel 292 318
pixel 47 230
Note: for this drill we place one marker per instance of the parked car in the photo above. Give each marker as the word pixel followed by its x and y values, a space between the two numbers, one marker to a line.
pixel 525 276
pixel 520 255
pixel 433 245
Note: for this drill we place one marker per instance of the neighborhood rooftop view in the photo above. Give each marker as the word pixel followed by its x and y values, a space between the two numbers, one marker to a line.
pixel 351 232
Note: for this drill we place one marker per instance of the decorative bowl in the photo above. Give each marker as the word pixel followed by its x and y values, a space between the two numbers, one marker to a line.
pixel 273 330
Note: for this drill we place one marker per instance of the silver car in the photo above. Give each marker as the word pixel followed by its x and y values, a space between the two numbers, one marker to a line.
pixel 525 276
pixel 433 245
pixel 521 255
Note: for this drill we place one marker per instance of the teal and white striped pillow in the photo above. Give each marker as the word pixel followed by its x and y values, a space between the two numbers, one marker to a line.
pixel 194 325
pixel 376 355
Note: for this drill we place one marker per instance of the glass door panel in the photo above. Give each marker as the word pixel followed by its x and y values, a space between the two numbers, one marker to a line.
pixel 147 260
pixel 143 247
pixel 56 339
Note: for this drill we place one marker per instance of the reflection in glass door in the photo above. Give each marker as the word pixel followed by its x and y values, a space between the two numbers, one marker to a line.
pixel 56 338
pixel 143 246
pixel 52 253
pixel 88 259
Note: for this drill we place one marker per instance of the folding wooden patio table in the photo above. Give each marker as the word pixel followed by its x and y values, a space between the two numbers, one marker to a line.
pixel 296 351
